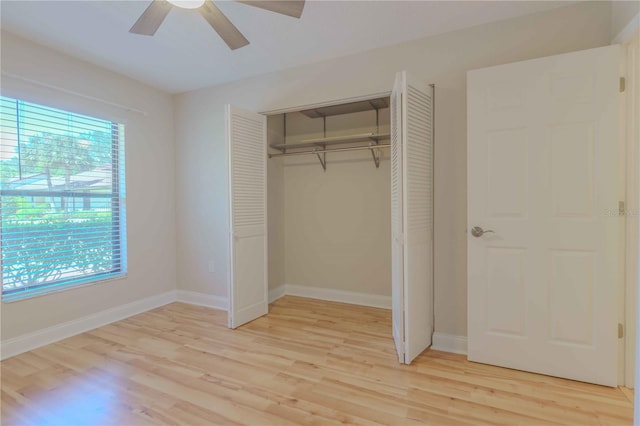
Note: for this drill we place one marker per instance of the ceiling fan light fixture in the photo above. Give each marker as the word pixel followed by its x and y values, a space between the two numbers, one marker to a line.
pixel 187 4
pixel 153 16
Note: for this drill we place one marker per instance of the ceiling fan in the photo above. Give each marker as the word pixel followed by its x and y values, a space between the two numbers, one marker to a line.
pixel 151 19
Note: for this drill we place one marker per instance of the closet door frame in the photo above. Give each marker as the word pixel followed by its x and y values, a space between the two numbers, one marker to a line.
pixel 328 103
pixel 386 94
pixel 397 130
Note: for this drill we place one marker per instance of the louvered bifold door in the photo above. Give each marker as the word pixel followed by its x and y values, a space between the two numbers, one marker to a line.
pixel 397 239
pixel 246 151
pixel 417 170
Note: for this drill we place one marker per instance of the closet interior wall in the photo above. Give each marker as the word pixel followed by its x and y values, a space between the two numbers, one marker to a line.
pixel 275 206
pixel 330 229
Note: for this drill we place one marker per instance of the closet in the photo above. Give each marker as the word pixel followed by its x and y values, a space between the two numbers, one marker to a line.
pixel 328 201
pixel 336 199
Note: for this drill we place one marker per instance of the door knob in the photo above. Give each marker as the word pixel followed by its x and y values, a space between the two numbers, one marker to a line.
pixel 477 231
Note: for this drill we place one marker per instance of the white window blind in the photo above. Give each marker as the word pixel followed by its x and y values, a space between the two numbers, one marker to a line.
pixel 62 188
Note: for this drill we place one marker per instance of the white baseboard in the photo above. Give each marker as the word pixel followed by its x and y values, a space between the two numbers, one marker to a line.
pixel 277 293
pixel 202 299
pixel 449 343
pixel 30 341
pixel 219 302
pixel 333 295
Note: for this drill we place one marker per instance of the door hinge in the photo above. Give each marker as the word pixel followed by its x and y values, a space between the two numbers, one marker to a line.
pixel 621 211
pixel 620 331
pixel 623 84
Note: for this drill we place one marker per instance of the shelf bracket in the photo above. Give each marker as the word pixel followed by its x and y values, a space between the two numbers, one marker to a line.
pixel 375 153
pixel 322 158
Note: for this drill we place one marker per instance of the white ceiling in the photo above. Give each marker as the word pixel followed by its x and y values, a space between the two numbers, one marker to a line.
pixel 186 53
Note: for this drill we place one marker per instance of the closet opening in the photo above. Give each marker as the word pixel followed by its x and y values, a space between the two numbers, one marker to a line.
pixel 352 230
pixel 329 202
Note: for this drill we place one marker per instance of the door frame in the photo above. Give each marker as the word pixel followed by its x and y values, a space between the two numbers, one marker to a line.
pixel 327 103
pixel 385 94
pixel 630 101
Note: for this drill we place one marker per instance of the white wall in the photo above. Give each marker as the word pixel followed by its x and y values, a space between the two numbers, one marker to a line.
pixel 150 179
pixel 622 14
pixel 275 205
pixel 337 223
pixel 443 60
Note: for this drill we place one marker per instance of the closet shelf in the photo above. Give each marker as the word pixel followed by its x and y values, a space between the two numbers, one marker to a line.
pixel 350 108
pixel 334 140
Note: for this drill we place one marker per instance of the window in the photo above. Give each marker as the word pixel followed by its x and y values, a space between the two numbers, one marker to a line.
pixel 62 199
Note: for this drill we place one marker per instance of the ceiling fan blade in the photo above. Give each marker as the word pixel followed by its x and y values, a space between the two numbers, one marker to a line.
pixel 223 26
pixel 151 19
pixel 292 8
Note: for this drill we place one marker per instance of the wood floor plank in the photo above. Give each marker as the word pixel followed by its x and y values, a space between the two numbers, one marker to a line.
pixel 308 362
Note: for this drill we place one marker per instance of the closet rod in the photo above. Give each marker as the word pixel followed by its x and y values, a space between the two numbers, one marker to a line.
pixel 322 151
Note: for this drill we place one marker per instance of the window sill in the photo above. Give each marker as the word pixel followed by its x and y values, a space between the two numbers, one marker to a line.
pixel 34 293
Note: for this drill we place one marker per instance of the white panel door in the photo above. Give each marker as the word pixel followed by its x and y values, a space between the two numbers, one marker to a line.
pixel 412 251
pixel 543 164
pixel 246 153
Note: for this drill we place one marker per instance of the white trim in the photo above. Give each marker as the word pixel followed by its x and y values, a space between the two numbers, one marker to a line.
pixel 74 93
pixel 631 130
pixel 327 103
pixel 30 341
pixel 333 295
pixel 449 343
pixel 202 299
pixel 228 207
pixel 17 345
pixel 627 32
pixel 277 293
pixel 33 294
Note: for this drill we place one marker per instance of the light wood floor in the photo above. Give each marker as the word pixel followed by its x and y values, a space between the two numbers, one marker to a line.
pixel 307 362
